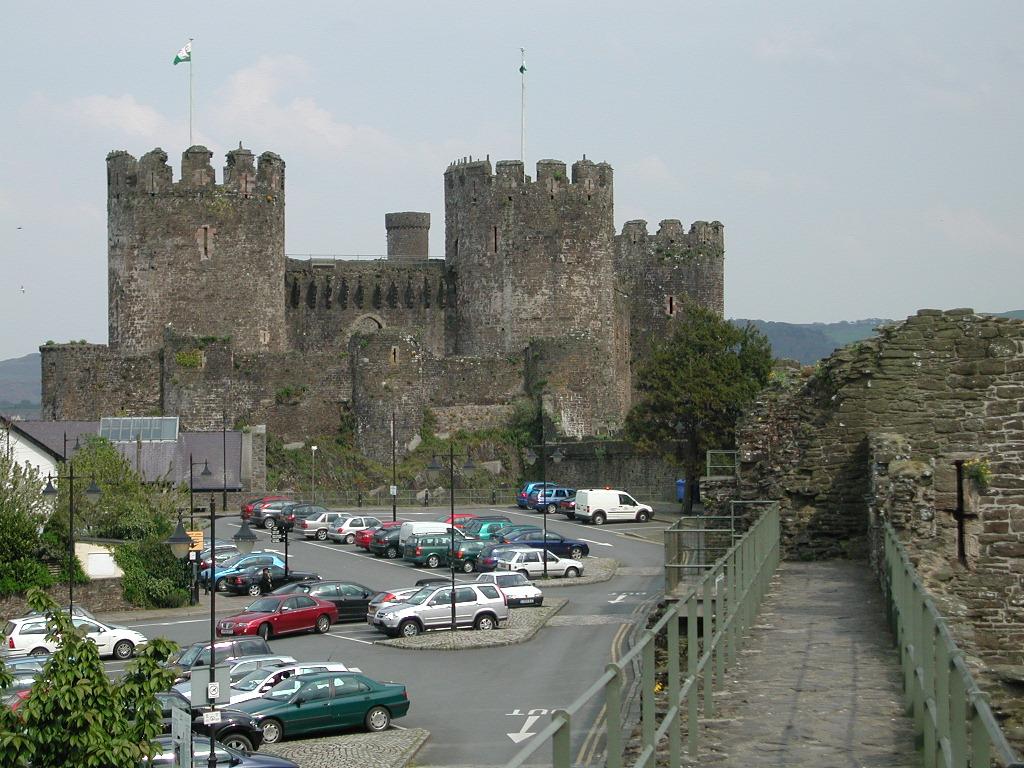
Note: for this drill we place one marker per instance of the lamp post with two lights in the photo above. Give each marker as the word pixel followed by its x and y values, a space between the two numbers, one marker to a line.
pixel 433 468
pixel 542 494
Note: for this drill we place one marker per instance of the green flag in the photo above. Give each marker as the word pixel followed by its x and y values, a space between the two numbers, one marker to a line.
pixel 185 54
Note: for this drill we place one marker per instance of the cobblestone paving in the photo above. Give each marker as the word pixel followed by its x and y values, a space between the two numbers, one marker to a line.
pixel 818 681
pixel 393 748
pixel 522 625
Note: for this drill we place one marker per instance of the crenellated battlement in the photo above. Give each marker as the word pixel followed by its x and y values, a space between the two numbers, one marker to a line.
pixel 242 175
pixel 586 177
pixel 703 237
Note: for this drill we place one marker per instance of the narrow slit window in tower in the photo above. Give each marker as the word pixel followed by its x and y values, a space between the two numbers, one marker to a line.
pixel 394 355
pixel 670 305
pixel 495 239
pixel 206 241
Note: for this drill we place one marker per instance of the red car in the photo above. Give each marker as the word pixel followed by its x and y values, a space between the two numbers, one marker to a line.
pixel 461 518
pixel 274 615
pixel 247 506
pixel 364 535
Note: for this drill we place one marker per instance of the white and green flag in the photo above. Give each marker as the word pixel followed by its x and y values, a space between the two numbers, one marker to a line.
pixel 185 54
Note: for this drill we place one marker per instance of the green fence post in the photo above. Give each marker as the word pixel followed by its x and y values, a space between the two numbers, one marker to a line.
pixel 928 681
pixel 707 637
pixel 981 749
pixel 692 655
pixel 957 714
pixel 561 742
pixel 647 723
pixel 942 731
pixel 674 745
pixel 730 577
pixel 671 559
pixel 719 637
pixel 613 717
pixel 909 617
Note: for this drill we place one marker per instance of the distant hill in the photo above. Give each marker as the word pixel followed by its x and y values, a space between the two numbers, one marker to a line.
pixel 20 386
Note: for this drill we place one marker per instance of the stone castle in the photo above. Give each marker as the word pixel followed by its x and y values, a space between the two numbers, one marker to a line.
pixel 537 298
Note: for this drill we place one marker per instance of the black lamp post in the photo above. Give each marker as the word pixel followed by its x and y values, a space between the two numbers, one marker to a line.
pixel 433 468
pixel 193 592
pixel 394 476
pixel 542 494
pixel 92 493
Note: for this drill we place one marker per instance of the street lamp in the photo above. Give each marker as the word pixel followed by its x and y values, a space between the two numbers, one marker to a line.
pixel 92 493
pixel 313 448
pixel 434 467
pixel 394 478
pixel 542 494
pixel 193 592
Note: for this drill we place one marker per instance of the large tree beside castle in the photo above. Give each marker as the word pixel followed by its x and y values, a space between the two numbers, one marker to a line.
pixel 692 388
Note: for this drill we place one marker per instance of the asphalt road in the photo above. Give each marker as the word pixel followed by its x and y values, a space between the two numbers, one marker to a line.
pixel 480 705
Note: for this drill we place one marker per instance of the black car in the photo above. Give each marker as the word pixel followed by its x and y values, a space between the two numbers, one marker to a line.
pixel 385 543
pixel 198 654
pixel 552 542
pixel 237 730
pixel 224 756
pixel 269 514
pixel 350 598
pixel 249 580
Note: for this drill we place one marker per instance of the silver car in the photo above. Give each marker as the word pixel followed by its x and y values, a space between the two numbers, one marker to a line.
pixel 530 562
pixel 344 528
pixel 480 606
pixel 317 523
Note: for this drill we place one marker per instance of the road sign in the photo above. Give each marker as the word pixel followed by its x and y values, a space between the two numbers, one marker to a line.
pixel 181 737
pixel 200 687
pixel 197 541
pixel 394 490
pixel 211 718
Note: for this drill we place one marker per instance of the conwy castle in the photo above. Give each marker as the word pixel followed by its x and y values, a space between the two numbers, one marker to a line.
pixel 537 298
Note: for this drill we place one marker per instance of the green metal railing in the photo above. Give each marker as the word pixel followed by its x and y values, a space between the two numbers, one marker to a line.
pixel 721 463
pixel 718 611
pixel 951 714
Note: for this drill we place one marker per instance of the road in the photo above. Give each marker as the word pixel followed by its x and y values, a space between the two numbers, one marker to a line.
pixel 480 705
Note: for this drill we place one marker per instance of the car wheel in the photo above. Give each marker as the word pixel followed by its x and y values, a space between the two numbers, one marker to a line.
pixel 433 561
pixel 576 553
pixel 409 628
pixel 377 719
pixel 467 567
pixel 321 534
pixel 526 574
pixel 485 622
pixel 123 649
pixel 237 742
pixel 392 553
pixel 221 586
pixel 254 590
pixel 268 522
pixel 272 731
pixel 265 631
pixel 323 623
pixel 350 539
pixel 552 508
pixel 599 518
pixel 540 602
pixel 642 516
pixel 571 573
pixel 40 652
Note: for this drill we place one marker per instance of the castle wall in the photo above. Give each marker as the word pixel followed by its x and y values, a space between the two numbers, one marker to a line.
pixel 205 259
pixel 90 381
pixel 330 300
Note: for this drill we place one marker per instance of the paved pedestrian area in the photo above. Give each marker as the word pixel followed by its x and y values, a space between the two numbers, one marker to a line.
pixel 394 748
pixel 818 680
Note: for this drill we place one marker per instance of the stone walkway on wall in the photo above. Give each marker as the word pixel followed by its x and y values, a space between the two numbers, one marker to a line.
pixel 817 682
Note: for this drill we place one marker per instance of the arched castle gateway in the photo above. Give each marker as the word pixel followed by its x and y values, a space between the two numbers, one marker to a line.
pixel 535 285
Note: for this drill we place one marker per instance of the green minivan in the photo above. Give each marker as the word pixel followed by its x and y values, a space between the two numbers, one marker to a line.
pixel 466 553
pixel 429 549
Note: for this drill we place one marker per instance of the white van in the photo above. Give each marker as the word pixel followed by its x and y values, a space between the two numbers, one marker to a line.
pixel 415 528
pixel 598 505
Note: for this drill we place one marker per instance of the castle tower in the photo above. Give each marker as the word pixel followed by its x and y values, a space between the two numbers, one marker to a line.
pixel 200 258
pixel 408 234
pixel 530 261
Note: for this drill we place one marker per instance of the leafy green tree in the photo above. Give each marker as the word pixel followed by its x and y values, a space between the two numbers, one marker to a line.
pixel 76 715
pixel 693 387
pixel 22 513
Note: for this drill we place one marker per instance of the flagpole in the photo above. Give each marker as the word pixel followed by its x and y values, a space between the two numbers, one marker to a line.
pixel 522 109
pixel 190 94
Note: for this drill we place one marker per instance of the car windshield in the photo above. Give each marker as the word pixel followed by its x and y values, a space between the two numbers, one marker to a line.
pixel 189 655
pixel 418 598
pixel 512 580
pixel 233 560
pixel 506 554
pixel 266 605
pixel 252 680
pixel 285 689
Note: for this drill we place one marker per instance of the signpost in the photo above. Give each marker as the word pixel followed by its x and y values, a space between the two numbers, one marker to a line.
pixel 205 692
pixel 279 534
pixel 181 737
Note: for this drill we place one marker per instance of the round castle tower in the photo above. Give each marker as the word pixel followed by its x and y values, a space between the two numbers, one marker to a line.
pixel 195 257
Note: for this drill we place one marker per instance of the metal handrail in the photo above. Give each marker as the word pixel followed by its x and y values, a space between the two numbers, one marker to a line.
pixel 951 713
pixel 722 605
pixel 721 460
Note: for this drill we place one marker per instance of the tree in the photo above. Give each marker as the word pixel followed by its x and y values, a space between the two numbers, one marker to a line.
pixel 76 715
pixel 22 514
pixel 693 387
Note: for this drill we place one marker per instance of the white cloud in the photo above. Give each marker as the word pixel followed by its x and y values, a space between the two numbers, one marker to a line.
pixel 111 115
pixel 792 44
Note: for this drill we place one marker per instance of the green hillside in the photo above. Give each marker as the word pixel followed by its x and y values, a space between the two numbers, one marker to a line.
pixel 20 386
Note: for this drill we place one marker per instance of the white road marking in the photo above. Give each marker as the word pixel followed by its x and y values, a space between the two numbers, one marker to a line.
pixel 618 599
pixel 525 732
pixel 353 639
pixel 599 543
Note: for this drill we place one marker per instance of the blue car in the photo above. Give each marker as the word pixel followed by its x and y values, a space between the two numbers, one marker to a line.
pixel 556 543
pixel 549 498
pixel 236 565
pixel 523 497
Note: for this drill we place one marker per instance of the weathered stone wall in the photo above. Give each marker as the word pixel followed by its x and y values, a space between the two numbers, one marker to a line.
pixel 612 464
pixel 201 258
pixel 90 381
pixel 98 595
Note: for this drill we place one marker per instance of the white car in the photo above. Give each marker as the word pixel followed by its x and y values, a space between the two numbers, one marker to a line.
pixel 601 505
pixel 529 562
pixel 517 588
pixel 239 668
pixel 259 681
pixel 344 528
pixel 27 637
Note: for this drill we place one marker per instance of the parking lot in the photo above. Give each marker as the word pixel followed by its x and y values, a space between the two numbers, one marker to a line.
pixel 481 704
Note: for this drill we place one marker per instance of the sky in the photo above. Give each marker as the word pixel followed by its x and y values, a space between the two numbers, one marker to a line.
pixel 864 157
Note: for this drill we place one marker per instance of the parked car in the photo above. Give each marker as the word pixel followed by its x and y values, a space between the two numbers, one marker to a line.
pixel 326 702
pixel 530 563
pixel 598 505
pixel 24 670
pixel 517 588
pixel 364 536
pixel 274 615
pixel 250 505
pixel 344 528
pixel 348 597
pixel 269 513
pixel 429 549
pixel 548 499
pixel 313 521
pixel 523 497
pixel 504 535
pixel 565 506
pixel 76 611
pixel 561 545
pixel 460 518
pixel 236 730
pixel 417 527
pixel 28 637
pixel 239 668
pixel 235 565
pixel 487 559
pixel 223 755
pixel 260 681
pixel 480 606
pixel 224 553
pixel 248 581
pixel 483 527
pixel 385 543
pixel 465 554
pixel 389 597
pixel 226 651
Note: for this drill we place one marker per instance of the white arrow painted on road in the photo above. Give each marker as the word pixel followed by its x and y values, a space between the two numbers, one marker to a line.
pixel 618 599
pixel 599 543
pixel 524 732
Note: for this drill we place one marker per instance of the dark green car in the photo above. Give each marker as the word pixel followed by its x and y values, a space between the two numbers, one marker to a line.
pixel 466 553
pixel 429 549
pixel 328 701
pixel 484 529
